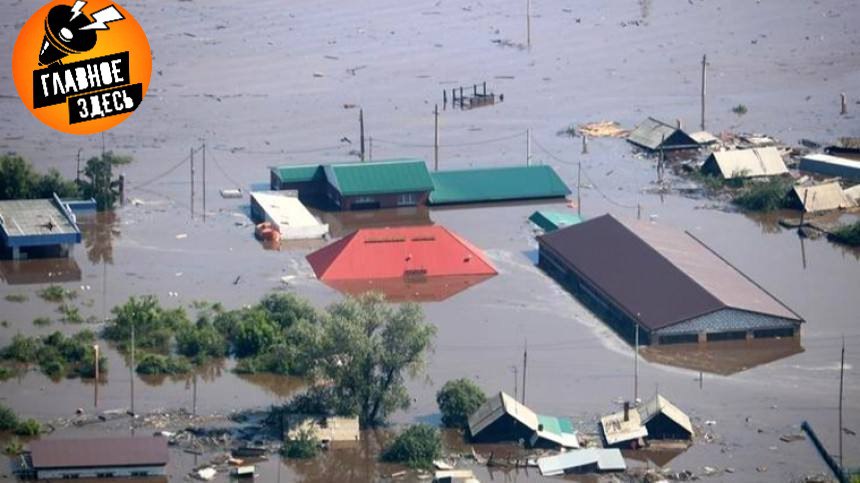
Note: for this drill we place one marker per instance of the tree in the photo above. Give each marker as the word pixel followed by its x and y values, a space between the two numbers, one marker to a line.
pixel 8 419
pixel 416 447
pixel 254 333
pixel 366 348
pixel 28 427
pixel 156 364
pixel 286 309
pixel 16 177
pixel 100 183
pixel 304 446
pixel 153 325
pixel 201 341
pixel 457 400
pixel 53 182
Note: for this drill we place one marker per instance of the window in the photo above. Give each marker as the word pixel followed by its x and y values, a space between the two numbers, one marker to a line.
pixel 407 199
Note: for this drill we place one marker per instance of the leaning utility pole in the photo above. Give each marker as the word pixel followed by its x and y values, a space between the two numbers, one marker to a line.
pixel 436 138
pixel 361 127
pixel 704 70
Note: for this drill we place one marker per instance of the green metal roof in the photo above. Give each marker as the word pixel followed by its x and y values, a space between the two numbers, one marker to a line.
pixel 496 184
pixel 553 220
pixel 556 425
pixel 299 174
pixel 380 177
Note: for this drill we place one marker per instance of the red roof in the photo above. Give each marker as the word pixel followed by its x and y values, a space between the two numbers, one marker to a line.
pixel 403 262
pixel 98 452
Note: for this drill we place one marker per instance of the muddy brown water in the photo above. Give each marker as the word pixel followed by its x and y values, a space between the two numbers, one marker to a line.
pixel 241 75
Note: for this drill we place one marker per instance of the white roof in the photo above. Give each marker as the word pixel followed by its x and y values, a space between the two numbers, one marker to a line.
pixel 617 430
pixel 289 216
pixel 704 137
pixel 748 163
pixel 661 405
pixel 823 197
pixel 853 193
pixel 605 459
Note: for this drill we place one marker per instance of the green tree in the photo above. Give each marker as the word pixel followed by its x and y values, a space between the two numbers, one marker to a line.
pixel 286 309
pixel 305 446
pixel 201 341
pixel 416 447
pixel 28 427
pixel 154 326
pixel 16 177
pixel 8 419
pixel 48 184
pixel 457 400
pixel 100 183
pixel 254 333
pixel 366 348
pixel 157 364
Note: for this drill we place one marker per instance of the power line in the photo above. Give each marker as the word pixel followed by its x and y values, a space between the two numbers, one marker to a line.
pixel 164 174
pixel 279 152
pixel 224 172
pixel 471 143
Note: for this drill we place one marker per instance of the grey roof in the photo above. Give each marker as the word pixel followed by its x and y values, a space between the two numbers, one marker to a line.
pixel 746 163
pixel 98 452
pixel 656 275
pixel 661 405
pixel 604 459
pixel 34 217
pixel 652 134
pixel 830 165
pixel 496 407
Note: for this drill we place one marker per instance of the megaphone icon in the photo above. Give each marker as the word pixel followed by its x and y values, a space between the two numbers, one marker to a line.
pixel 64 34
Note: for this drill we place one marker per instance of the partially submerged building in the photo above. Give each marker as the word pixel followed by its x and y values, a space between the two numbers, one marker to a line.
pixel 287 215
pixel 98 458
pixel 326 429
pixel 588 460
pixel 745 163
pixel 502 418
pixel 420 263
pixel 30 228
pixel 553 220
pixel 664 283
pixel 830 166
pixel 655 135
pixel 485 185
pixel 656 419
pixel 820 198
pixel 354 186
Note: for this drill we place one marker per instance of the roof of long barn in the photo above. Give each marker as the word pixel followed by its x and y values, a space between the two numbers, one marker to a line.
pixel 98 452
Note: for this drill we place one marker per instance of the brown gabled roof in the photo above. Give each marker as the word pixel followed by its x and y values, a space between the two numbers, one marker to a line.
pixel 656 275
pixel 98 452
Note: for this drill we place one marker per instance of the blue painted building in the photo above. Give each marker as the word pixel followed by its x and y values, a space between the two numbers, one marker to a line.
pixel 37 228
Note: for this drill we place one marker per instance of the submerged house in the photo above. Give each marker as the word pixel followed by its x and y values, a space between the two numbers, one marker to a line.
pixel 830 165
pixel 820 198
pixel 486 185
pixel 553 220
pixel 661 282
pixel 354 186
pixel 30 228
pixel 623 429
pixel 745 163
pixel 581 461
pixel 418 263
pixel 503 419
pixel 655 135
pixel 326 429
pixel 287 215
pixel 98 458
pixel 657 419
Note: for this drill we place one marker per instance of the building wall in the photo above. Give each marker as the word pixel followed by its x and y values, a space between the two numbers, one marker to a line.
pixel 388 200
pixel 103 472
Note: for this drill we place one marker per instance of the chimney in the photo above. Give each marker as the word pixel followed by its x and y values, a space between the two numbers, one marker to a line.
pixel 679 123
pixel 626 411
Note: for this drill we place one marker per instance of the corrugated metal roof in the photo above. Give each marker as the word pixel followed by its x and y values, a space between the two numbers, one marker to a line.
pixel 557 430
pixel 823 197
pixel 616 430
pixel 496 407
pixel 289 215
pixel 830 165
pixel 652 134
pixel 496 184
pixel 656 275
pixel 379 177
pixel 746 163
pixel 553 220
pixel 380 253
pixel 34 217
pixel 605 459
pixel 299 174
pixel 661 405
pixel 98 452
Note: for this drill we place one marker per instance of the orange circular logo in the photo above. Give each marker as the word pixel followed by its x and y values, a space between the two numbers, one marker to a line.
pixel 82 67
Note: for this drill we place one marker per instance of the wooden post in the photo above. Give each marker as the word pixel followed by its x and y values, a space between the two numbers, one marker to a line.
pixel 525 362
pixel 485 88
pixel 704 70
pixel 844 111
pixel 579 189
pixel 661 161
pixel 192 183
pixel 638 211
pixel 453 97
pixel 96 365
pixel 194 397
pixel 636 365
pixel 370 148
pixel 528 147
pixel 475 90
pixel 529 23
pixel 444 97
pixel 204 181
pixel 436 138
pixel 841 380
pixel 461 96
pixel 122 189
pixel 803 211
pixel 78 175
pixel 361 126
pixel 131 369
pixel 584 144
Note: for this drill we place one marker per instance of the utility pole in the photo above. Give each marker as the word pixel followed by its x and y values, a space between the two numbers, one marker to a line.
pixel 636 365
pixel 844 109
pixel 192 183
pixel 515 381
pixel 131 369
pixel 103 145
pixel 78 175
pixel 661 161
pixel 96 365
pixel 204 181
pixel 525 362
pixel 194 398
pixel 704 76
pixel 528 147
pixel 584 144
pixel 361 126
pixel 436 138
pixel 579 189
pixel 529 23
pixel 841 380
pixel 370 148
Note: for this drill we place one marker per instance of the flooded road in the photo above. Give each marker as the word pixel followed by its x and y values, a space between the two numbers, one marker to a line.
pixel 242 77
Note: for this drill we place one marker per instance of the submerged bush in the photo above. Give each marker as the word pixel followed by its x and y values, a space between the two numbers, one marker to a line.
pixel 457 400
pixel 156 364
pixel 8 419
pixel 306 445
pixel 416 447
pixel 848 234
pixel 28 427
pixel 769 195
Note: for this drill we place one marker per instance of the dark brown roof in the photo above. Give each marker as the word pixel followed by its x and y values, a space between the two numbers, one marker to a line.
pixel 657 274
pixel 98 452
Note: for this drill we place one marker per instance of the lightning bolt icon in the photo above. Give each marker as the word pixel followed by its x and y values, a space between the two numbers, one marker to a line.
pixel 76 10
pixel 103 17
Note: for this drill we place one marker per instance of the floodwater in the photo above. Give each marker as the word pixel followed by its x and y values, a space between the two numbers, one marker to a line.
pixel 241 75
